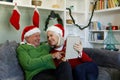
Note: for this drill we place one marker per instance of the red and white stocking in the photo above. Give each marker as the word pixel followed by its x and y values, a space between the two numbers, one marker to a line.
pixel 36 17
pixel 15 18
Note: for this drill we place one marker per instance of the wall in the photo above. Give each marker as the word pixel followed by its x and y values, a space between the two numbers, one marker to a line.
pixel 8 32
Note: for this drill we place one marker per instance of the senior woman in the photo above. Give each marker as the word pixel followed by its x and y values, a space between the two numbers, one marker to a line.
pixel 83 67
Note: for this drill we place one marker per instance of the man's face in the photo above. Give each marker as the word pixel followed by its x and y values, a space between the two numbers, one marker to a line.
pixel 52 38
pixel 34 39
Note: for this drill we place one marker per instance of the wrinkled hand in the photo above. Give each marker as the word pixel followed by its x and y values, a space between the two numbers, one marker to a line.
pixel 57 55
pixel 78 47
pixel 63 59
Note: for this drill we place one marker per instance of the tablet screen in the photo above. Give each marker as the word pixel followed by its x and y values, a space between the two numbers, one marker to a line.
pixel 70 51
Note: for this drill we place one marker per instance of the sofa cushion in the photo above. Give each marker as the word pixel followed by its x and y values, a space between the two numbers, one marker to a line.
pixel 103 74
pixel 106 73
pixel 9 66
pixel 104 57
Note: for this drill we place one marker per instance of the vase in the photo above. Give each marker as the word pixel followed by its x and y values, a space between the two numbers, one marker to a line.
pixel 36 2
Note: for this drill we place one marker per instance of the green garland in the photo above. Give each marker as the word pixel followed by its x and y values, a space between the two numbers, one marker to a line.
pixel 81 28
pixel 53 15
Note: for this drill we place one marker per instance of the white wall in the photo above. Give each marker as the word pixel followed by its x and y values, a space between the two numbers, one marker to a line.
pixel 8 32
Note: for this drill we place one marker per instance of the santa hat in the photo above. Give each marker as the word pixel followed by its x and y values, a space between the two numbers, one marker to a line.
pixel 57 28
pixel 29 30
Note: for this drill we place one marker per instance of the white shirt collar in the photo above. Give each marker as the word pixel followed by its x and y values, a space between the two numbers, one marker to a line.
pixel 59 48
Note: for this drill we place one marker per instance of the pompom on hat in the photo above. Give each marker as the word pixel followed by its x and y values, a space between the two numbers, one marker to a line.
pixel 57 28
pixel 29 30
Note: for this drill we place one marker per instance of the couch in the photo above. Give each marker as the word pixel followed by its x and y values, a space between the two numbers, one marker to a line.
pixel 9 66
pixel 108 62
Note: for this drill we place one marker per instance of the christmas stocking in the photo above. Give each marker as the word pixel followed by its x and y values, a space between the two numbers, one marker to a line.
pixel 15 18
pixel 36 17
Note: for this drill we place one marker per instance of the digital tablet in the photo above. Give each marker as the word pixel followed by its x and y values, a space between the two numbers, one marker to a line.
pixel 70 51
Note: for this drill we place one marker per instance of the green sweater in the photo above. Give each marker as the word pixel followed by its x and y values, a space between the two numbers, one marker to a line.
pixel 34 60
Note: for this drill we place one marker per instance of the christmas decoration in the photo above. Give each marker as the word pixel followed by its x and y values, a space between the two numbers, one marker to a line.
pixel 57 28
pixel 15 18
pixel 53 16
pixel 36 17
pixel 73 20
pixel 29 30
pixel 110 40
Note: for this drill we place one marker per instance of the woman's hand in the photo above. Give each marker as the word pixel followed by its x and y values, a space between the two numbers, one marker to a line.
pixel 78 47
pixel 63 59
pixel 57 55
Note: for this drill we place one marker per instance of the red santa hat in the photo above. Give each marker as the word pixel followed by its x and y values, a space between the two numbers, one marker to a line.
pixel 57 28
pixel 29 30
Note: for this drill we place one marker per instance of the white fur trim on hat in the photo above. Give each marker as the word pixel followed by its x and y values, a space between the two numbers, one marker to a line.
pixel 55 29
pixel 32 31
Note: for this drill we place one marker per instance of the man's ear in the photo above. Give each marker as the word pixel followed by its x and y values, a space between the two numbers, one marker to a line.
pixel 26 38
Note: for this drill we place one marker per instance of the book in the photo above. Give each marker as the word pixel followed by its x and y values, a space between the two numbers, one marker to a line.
pixel 70 51
pixel 95 25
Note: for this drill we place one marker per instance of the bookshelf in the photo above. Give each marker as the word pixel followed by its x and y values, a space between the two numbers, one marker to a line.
pixel 104 16
pixel 105 4
pixel 98 36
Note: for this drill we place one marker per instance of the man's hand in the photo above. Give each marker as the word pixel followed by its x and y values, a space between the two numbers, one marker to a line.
pixel 57 55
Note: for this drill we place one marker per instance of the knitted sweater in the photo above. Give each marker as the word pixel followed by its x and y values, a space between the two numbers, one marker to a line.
pixel 34 59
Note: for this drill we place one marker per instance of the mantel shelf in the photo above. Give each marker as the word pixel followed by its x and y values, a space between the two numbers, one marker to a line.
pixel 30 6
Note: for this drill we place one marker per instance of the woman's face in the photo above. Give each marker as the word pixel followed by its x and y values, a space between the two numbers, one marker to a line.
pixel 52 38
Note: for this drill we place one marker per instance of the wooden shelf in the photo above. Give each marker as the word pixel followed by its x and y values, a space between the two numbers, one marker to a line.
pixel 104 30
pixel 76 12
pixel 29 6
pixel 96 42
pixel 108 10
